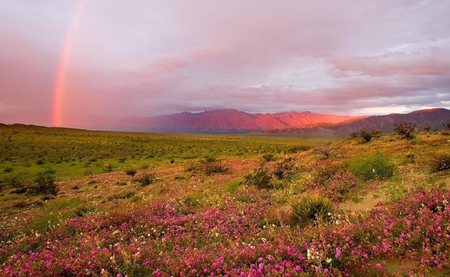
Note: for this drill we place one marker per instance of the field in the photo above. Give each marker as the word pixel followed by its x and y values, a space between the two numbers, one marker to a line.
pixel 86 203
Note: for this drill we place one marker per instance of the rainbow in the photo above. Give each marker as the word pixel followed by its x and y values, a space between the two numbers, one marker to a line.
pixel 60 84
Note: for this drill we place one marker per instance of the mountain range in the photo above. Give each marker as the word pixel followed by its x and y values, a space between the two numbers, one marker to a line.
pixel 233 121
pixel 290 123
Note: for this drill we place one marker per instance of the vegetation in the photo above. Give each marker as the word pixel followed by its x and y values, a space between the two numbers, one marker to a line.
pixel 308 210
pixel 374 166
pixel 216 205
pixel 406 129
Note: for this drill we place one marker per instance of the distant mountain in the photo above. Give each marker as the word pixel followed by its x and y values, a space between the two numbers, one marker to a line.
pixel 385 123
pixel 235 121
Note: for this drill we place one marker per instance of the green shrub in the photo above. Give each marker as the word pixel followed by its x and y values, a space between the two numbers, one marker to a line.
pixel 308 210
pixel 44 183
pixel 374 166
pixel 260 178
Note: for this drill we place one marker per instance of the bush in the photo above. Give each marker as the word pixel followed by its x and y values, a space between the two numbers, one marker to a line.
pixel 145 180
pixel 268 157
pixel 325 169
pixel 405 129
pixel 260 178
pixel 326 152
pixel 284 169
pixel 308 210
pixel 131 171
pixel 337 188
pixel 44 183
pixel 440 163
pixel 374 166
pixel 213 165
pixel 366 136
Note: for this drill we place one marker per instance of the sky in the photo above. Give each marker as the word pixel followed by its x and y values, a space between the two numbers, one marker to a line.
pixel 71 62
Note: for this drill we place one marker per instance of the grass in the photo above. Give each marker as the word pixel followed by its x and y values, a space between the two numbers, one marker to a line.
pixel 280 207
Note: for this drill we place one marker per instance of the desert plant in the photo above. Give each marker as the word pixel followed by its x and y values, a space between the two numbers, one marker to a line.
pixel 268 157
pixel 325 169
pixel 374 166
pixel 260 178
pixel 366 136
pixel 308 210
pixel 337 188
pixel 440 163
pixel 284 168
pixel 44 183
pixel 131 171
pixel 326 152
pixel 213 165
pixel 405 129
pixel 145 180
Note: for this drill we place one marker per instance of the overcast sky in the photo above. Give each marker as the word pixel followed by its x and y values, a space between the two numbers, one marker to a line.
pixel 112 58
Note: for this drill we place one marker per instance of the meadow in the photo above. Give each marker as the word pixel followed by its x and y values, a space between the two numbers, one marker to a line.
pixel 90 203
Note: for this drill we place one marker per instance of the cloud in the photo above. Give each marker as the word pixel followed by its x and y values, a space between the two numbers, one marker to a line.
pixel 143 58
pixel 433 61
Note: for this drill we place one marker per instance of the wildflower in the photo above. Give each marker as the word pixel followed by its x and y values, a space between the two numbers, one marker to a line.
pixel 378 266
pixel 338 252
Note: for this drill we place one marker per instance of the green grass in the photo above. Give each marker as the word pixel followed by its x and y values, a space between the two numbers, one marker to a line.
pixel 73 154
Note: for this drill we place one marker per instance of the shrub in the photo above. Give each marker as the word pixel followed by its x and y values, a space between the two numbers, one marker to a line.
pixel 440 162
pixel 131 171
pixel 44 183
pixel 145 180
pixel 325 169
pixel 213 165
pixel 268 157
pixel 284 169
pixel 308 210
pixel 366 136
pixel 326 152
pixel 374 166
pixel 337 188
pixel 405 129
pixel 260 178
